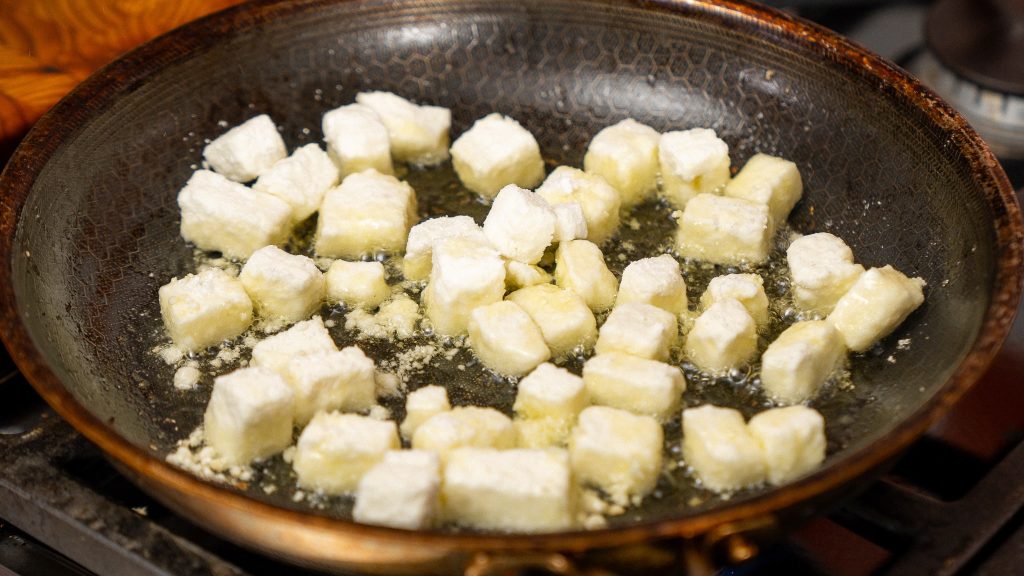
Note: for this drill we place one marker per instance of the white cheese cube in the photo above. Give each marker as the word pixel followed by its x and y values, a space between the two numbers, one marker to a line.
pixel 282 285
pixel 249 415
pixel 580 267
pixel 203 309
pixel 570 223
pixel 878 302
pixel 563 316
pixel 495 152
pixel 227 217
pixel 520 224
pixel 768 180
pixel 357 140
pixel 369 213
pixel 357 284
pixel 656 281
pixel 626 155
pixel 792 440
pixel 427 234
pixel 551 392
pixel 398 316
pixel 418 133
pixel 519 275
pixel 247 150
pixel 724 230
pixel 335 450
pixel 724 336
pixel 692 162
pixel 747 289
pixel 800 360
pixel 465 275
pixel 639 385
pixel 308 337
pixel 328 381
pixel 617 451
pixel 301 180
pixel 721 450
pixel 822 269
pixel 542 432
pixel 421 405
pixel 640 330
pixel 521 490
pixel 401 491
pixel 505 339
pixel 598 200
pixel 465 426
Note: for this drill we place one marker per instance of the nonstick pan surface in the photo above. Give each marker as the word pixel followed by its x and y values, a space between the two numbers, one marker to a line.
pixel 90 222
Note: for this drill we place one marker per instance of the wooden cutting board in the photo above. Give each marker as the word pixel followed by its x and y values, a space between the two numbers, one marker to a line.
pixel 49 46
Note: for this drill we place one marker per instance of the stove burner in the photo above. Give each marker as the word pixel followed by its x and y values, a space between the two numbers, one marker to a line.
pixel 975 60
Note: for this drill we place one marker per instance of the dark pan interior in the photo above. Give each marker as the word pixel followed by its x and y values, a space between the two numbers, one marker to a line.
pixel 99 232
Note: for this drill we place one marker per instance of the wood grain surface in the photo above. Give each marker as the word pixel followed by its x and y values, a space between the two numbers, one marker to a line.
pixel 49 46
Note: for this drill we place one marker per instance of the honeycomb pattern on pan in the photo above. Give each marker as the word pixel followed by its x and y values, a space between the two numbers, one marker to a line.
pixel 101 226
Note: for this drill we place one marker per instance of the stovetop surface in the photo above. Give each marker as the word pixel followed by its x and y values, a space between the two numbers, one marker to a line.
pixel 953 504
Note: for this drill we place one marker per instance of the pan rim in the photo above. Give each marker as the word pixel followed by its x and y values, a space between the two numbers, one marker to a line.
pixel 105 85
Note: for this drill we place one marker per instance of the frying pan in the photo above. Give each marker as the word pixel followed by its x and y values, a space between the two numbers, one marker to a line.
pixel 90 228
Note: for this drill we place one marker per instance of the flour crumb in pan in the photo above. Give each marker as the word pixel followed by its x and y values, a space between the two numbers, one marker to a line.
pixel 579 451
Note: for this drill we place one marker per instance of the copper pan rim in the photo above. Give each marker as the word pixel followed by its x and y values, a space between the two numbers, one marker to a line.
pixel 103 86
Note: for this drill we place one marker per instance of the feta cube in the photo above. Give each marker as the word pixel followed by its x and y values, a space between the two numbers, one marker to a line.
pixel 308 337
pixel 598 200
pixel 370 212
pixel 357 140
pixel 421 405
pixel 335 450
pixel 520 224
pixel 570 223
pixel 878 302
pixel 522 490
pixel 282 285
pixel 724 336
pixel 247 150
pixel 418 133
pixel 580 267
pixel 495 152
pixel 800 360
pixel 547 403
pixel 301 180
pixel 465 275
pixel 465 426
pixel 747 289
pixel 636 384
pixel 505 339
pixel 768 180
pixel 519 275
pixel 657 281
pixel 724 230
pixel 822 269
pixel 564 318
pixel 692 162
pixel 425 235
pixel 327 381
pixel 617 451
pixel 203 309
pixel 551 392
pixel 227 217
pixel 721 450
pixel 792 440
pixel 626 155
pixel 249 415
pixel 640 330
pixel 401 491
pixel 357 284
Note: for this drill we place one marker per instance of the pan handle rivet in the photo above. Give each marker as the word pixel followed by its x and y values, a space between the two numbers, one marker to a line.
pixel 740 548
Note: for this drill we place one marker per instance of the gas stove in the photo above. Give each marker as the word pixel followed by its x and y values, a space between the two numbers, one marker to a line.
pixel 950 505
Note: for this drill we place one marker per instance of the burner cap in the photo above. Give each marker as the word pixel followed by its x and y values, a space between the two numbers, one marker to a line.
pixel 981 40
